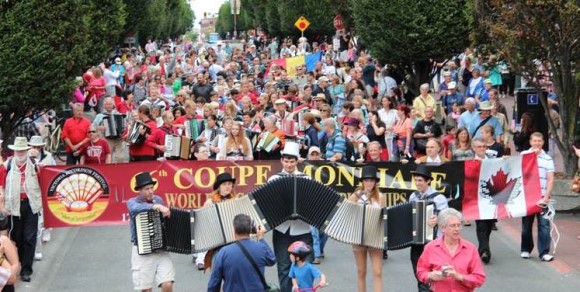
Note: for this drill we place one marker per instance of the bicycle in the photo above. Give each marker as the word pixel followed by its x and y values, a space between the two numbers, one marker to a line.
pixel 54 142
pixel 313 289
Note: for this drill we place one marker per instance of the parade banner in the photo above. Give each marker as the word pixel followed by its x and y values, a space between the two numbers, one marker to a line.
pixel 98 194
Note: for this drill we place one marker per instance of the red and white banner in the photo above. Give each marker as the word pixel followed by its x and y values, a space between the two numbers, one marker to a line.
pixel 501 188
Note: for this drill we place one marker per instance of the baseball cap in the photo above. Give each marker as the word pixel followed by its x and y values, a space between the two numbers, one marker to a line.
pixel 313 149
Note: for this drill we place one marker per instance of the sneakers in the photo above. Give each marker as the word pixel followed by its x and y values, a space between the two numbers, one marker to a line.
pixel 46 235
pixel 525 255
pixel 200 267
pixel 316 261
pixel 38 256
pixel 547 258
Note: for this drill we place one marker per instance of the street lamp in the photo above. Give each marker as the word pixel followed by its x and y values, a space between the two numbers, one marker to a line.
pixel 235 9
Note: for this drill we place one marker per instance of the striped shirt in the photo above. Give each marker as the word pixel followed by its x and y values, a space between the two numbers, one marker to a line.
pixel 545 166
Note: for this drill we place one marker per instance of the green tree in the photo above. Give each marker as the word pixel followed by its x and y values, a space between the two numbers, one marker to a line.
pixel 158 19
pixel 44 45
pixel 225 21
pixel 410 33
pixel 545 31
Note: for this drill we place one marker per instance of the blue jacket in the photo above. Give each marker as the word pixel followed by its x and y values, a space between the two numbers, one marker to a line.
pixel 231 265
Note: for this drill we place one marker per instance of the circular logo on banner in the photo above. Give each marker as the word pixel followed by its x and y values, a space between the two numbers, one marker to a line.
pixel 78 195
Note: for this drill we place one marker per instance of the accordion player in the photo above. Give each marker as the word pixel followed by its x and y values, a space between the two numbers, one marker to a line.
pixel 114 125
pixel 135 137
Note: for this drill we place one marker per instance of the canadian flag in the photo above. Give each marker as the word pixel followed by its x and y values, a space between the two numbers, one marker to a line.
pixel 501 188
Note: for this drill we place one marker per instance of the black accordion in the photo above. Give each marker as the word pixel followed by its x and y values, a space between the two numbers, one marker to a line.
pixel 114 125
pixel 406 224
pixel 293 197
pixel 157 233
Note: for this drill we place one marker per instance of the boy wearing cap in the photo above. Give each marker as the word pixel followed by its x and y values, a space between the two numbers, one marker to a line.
pixel 422 178
pixel 451 97
pixel 155 269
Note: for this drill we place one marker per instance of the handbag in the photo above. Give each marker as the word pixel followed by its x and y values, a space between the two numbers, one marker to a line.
pixel 267 287
pixel 575 185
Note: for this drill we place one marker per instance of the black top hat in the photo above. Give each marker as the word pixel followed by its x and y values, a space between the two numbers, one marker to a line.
pixel 422 171
pixel 222 178
pixel 143 179
pixel 369 171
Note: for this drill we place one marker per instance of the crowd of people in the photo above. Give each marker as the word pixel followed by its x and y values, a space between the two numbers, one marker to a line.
pixel 230 102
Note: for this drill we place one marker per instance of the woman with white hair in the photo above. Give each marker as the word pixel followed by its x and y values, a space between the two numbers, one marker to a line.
pixel 423 100
pixel 450 262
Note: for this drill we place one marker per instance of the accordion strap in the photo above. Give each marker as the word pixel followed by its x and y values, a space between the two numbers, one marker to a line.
pixel 254 265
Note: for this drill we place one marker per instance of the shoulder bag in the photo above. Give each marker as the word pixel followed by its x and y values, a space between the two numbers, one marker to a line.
pixel 267 287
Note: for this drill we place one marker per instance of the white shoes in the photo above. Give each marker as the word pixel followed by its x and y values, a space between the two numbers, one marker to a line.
pixel 525 255
pixel 547 258
pixel 38 256
pixel 46 235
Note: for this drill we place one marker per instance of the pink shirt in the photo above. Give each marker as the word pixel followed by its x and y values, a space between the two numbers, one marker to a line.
pixel 466 261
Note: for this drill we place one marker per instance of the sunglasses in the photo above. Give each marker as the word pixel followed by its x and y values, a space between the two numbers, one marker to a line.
pixel 92 131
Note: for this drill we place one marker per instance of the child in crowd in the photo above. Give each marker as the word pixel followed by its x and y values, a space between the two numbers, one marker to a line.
pixel 302 272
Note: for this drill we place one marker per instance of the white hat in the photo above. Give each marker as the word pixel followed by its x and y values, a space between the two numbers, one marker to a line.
pixel 313 149
pixel 485 106
pixel 36 141
pixel 291 149
pixel 447 73
pixel 452 85
pixel 280 101
pixel 323 79
pixel 118 60
pixel 20 143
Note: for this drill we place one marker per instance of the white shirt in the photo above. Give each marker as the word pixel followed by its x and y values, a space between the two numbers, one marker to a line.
pixel 111 77
pixel 545 166
pixel 297 227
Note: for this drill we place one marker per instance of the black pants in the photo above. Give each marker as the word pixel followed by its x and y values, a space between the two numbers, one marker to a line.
pixel 23 231
pixel 142 158
pixel 416 251
pixel 71 159
pixel 483 230
pixel 281 242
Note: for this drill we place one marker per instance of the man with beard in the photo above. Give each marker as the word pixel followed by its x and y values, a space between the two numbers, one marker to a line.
pixel 20 195
pixel 202 88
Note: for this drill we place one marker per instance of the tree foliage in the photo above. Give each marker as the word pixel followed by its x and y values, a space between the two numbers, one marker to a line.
pixel 225 21
pixel 44 45
pixel 158 19
pixel 529 32
pixel 409 33
pixel 277 17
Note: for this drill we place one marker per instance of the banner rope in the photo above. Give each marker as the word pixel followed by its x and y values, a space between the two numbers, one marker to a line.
pixel 549 215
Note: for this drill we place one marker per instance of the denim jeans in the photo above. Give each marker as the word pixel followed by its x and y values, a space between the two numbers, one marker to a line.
pixel 544 238
pixel 318 241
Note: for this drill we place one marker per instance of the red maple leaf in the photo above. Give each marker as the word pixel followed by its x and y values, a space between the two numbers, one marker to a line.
pixel 500 188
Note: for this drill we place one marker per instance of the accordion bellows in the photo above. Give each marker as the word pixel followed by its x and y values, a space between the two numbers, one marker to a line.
pixel 359 224
pixel 295 197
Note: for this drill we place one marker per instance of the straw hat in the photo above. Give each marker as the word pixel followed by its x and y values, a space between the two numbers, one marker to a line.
pixel 20 143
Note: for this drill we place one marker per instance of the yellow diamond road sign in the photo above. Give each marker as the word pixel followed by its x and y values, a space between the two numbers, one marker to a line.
pixel 302 23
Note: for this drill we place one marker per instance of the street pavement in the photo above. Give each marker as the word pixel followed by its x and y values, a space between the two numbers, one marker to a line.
pixel 96 259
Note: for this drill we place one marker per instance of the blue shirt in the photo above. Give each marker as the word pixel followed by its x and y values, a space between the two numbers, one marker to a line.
pixel 493 121
pixel 138 205
pixel 231 265
pixel 450 99
pixel 466 118
pixel 336 144
pixel 304 275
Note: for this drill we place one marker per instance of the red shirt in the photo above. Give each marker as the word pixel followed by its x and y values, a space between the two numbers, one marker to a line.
pixel 182 119
pixel 123 108
pixel 466 261
pixel 158 137
pixel 96 152
pixel 76 130
pixel 97 82
pixel 144 149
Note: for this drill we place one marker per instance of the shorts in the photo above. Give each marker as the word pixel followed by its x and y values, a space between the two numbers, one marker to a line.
pixel 147 270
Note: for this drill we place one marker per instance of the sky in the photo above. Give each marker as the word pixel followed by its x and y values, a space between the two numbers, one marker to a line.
pixel 201 6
